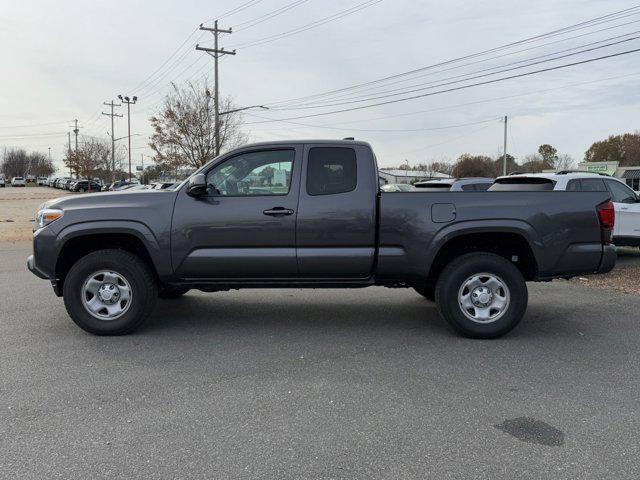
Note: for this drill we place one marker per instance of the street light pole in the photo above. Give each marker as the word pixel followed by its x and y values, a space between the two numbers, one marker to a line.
pixel 129 102
pixel 243 108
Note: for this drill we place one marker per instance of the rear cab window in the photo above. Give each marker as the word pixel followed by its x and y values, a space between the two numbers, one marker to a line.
pixel 331 170
pixel 522 184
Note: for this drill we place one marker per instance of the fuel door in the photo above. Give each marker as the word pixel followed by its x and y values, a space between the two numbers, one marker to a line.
pixel 443 212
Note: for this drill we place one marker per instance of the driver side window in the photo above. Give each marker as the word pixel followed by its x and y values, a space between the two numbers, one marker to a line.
pixel 265 172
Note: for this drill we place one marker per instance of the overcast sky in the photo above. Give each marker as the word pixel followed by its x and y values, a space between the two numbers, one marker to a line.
pixel 60 60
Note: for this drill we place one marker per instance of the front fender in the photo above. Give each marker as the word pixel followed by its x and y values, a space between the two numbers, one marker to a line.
pixel 158 248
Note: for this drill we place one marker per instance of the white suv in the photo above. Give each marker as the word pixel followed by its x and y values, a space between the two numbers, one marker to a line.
pixel 18 182
pixel 626 231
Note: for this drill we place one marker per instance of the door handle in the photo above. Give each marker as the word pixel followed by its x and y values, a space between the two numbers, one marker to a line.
pixel 278 211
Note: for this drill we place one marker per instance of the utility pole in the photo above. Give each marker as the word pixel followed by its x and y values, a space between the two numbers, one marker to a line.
pixel 76 130
pixel 129 102
pixel 113 141
pixel 69 154
pixel 504 157
pixel 216 52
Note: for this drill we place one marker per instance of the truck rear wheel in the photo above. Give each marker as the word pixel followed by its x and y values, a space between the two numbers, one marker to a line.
pixel 481 295
pixel 110 292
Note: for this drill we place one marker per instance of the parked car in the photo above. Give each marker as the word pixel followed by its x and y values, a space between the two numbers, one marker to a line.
pixel 398 187
pixel 67 184
pixel 18 182
pixel 133 186
pixel 83 186
pixel 41 181
pixel 59 183
pixel 122 183
pixel 2 182
pixel 319 221
pixel 625 201
pixel 161 185
pixel 470 184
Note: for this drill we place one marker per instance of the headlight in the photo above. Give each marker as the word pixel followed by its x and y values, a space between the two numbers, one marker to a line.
pixel 47 215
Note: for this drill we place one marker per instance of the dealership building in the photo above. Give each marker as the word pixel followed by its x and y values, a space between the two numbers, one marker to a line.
pixel 630 175
pixel 406 176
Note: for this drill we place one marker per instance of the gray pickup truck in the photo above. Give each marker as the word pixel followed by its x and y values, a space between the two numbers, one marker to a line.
pixel 310 214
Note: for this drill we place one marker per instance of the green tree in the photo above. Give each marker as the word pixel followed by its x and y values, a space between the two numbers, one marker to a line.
pixel 548 154
pixel 469 165
pixel 512 166
pixel 609 150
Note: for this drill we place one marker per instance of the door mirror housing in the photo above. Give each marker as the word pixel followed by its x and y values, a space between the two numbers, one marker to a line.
pixel 197 185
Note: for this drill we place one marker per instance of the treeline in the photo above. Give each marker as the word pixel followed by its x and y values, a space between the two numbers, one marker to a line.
pixel 16 162
pixel 624 149
pixel 468 165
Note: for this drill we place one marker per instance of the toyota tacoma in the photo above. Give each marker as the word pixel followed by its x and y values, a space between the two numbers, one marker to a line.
pixel 310 214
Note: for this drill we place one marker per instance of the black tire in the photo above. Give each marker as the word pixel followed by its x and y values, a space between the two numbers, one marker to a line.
pixel 427 290
pixel 144 291
pixel 456 274
pixel 167 292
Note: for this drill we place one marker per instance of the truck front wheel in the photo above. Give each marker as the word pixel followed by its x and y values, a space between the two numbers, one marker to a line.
pixel 481 295
pixel 110 292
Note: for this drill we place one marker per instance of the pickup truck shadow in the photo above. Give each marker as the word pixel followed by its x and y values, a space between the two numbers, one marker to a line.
pixel 217 312
pixel 291 312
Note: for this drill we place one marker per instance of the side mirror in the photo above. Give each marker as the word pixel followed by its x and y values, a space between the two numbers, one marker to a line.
pixel 197 185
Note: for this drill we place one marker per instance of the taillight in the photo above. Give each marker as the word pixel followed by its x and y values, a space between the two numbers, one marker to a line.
pixel 607 218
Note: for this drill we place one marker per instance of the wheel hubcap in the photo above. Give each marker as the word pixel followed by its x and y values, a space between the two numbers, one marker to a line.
pixel 106 295
pixel 484 297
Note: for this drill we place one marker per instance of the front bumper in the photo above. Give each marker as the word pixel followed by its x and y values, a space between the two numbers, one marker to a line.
pixel 31 265
pixel 609 257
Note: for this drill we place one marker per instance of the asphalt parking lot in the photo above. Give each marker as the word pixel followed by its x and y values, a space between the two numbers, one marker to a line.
pixel 300 384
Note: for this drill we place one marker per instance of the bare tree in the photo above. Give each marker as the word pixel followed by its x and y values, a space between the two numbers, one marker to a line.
pixel 17 162
pixel 184 133
pixel 564 162
pixel 93 158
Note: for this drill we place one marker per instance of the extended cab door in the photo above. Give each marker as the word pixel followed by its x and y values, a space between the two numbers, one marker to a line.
pixel 336 225
pixel 245 226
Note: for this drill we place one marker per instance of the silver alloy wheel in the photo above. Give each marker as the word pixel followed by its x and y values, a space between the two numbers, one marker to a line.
pixel 483 298
pixel 106 295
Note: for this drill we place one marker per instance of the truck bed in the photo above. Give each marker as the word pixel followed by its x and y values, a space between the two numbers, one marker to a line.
pixel 561 229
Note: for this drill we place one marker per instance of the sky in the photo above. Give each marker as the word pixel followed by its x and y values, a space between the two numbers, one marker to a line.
pixel 61 60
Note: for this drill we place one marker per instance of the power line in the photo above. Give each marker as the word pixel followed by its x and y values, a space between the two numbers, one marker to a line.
pixel 378 130
pixel 455 67
pixel 578 26
pixel 142 83
pixel 268 16
pixel 35 125
pixel 309 26
pixel 469 76
pixel 233 11
pixel 453 89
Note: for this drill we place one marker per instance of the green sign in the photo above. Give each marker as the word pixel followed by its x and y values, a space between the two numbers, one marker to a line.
pixel 597 168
